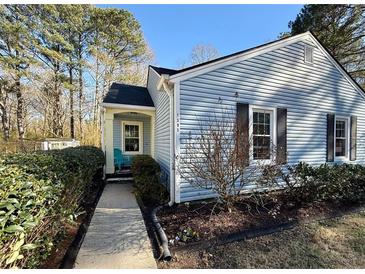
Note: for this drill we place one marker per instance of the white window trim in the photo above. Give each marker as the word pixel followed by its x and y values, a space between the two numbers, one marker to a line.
pixel 305 54
pixel 272 132
pixel 133 123
pixel 347 147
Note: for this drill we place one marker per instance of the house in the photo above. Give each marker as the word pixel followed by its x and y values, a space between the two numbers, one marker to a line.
pixel 314 109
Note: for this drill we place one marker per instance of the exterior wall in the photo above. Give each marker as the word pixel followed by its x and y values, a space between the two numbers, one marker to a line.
pixel 117 129
pixel 278 78
pixel 162 123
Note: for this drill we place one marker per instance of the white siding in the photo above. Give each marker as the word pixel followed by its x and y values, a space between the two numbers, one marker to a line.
pixel 279 78
pixel 162 126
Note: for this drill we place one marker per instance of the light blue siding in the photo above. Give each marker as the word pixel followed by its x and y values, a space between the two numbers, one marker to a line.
pixel 117 129
pixel 279 78
pixel 162 127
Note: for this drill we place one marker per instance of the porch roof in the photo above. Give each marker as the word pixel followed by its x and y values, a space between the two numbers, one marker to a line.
pixel 128 95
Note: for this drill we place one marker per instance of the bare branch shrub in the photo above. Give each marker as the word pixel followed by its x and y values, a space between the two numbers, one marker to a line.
pixel 217 156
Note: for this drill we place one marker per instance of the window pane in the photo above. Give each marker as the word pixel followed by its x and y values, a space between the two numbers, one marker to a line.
pixel 255 117
pixel 131 144
pixel 267 118
pixel 131 131
pixel 261 118
pixel 267 129
pixel 261 147
pixel 340 129
pixel 340 147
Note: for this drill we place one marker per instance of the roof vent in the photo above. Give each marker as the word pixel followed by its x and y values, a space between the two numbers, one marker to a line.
pixel 308 54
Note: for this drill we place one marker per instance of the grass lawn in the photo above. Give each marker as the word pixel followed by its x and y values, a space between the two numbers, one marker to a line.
pixel 334 243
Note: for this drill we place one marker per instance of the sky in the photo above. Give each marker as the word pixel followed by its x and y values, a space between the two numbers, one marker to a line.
pixel 173 30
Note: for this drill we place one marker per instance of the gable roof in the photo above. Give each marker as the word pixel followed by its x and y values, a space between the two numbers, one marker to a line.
pixel 128 95
pixel 170 72
pixel 244 54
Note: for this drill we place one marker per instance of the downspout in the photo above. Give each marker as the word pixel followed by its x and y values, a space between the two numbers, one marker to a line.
pixel 170 92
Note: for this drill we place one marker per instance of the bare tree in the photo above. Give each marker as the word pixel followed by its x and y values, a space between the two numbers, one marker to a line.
pixel 202 53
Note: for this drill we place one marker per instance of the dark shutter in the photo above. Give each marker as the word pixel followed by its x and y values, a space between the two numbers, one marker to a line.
pixel 353 133
pixel 242 128
pixel 281 150
pixel 330 137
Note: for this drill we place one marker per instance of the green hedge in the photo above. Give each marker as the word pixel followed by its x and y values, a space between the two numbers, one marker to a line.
pixel 147 173
pixel 39 193
pixel 304 183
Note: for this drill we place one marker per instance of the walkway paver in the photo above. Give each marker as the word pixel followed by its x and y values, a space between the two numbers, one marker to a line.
pixel 117 236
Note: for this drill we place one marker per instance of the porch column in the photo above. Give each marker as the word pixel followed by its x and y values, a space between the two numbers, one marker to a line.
pixel 108 139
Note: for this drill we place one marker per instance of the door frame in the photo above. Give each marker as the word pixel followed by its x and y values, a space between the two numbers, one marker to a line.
pixel 140 133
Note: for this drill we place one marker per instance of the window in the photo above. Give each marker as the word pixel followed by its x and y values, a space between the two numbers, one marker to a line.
pixel 132 137
pixel 308 54
pixel 341 141
pixel 262 133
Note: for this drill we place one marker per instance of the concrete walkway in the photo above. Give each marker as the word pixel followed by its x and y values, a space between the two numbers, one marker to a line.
pixel 117 236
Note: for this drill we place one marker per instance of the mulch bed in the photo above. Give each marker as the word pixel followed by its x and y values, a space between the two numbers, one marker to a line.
pixel 198 218
pixel 66 248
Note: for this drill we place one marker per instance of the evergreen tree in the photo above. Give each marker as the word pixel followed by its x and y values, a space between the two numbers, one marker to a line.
pixel 341 28
pixel 15 55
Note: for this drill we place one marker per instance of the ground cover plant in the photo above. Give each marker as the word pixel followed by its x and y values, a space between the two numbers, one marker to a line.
pixel 40 193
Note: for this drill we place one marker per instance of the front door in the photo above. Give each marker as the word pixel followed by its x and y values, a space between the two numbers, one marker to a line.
pixel 132 138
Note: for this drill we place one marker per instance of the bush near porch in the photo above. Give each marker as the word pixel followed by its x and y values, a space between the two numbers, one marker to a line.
pixel 40 193
pixel 147 180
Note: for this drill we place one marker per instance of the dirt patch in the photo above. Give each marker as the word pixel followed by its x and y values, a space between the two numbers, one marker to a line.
pixel 193 222
pixel 333 243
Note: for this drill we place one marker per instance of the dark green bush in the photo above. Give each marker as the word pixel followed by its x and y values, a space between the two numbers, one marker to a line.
pixel 304 183
pixel 39 193
pixel 146 173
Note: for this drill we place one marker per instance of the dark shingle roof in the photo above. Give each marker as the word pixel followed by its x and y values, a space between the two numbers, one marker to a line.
pixel 128 95
pixel 160 70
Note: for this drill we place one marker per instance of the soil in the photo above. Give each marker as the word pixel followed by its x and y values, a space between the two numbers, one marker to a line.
pixel 331 243
pixel 66 248
pixel 198 219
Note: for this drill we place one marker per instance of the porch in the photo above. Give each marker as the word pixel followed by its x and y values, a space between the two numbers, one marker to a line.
pixel 127 126
pixel 127 133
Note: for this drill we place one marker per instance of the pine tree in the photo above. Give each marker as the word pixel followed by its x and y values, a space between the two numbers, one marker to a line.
pixel 341 28
pixel 15 55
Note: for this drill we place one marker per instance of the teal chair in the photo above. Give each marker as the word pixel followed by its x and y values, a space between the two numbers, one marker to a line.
pixel 118 158
pixel 121 160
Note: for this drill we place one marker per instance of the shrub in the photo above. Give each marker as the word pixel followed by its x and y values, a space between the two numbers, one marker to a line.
pixel 39 193
pixel 303 183
pixel 146 173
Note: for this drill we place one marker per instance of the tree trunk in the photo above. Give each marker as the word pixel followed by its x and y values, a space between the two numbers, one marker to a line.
pixel 5 115
pixel 72 118
pixel 81 97
pixel 57 121
pixel 96 100
pixel 81 84
pixel 19 110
